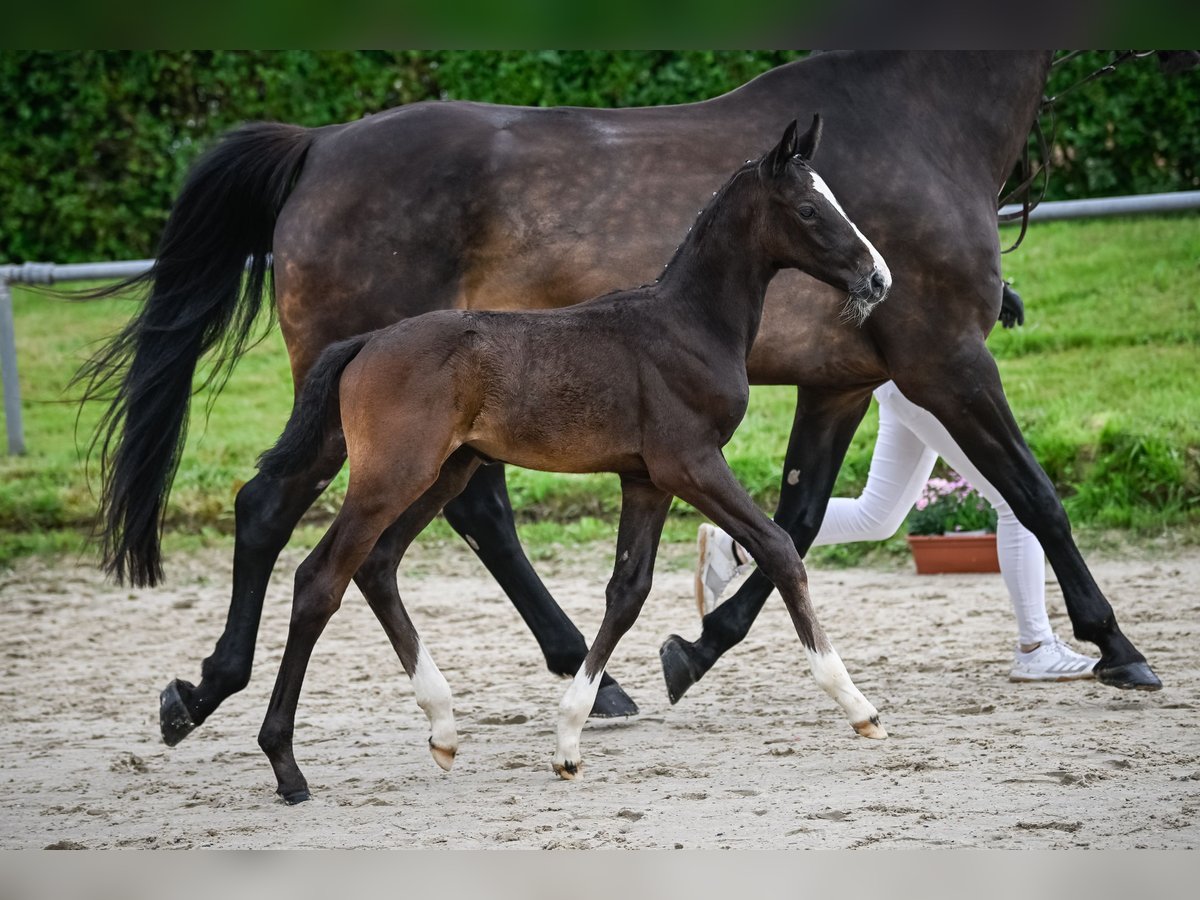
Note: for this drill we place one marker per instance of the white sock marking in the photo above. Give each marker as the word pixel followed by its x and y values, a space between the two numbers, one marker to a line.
pixel 433 696
pixel 831 676
pixel 573 711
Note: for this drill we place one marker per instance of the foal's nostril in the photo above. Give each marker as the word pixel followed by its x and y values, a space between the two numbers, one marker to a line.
pixel 878 282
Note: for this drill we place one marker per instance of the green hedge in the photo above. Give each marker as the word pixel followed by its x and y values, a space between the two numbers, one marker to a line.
pixel 96 143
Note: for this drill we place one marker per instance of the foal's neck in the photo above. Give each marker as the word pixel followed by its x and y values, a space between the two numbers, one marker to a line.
pixel 719 275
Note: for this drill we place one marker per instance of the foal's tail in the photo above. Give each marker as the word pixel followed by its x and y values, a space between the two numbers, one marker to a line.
pixel 225 213
pixel 314 413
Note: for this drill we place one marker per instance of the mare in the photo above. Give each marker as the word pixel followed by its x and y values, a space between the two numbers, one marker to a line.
pixel 649 383
pixel 449 204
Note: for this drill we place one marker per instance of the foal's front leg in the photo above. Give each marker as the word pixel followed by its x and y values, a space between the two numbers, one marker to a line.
pixel 643 512
pixel 711 487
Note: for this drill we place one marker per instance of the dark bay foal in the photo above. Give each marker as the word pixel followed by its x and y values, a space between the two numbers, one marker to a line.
pixel 648 383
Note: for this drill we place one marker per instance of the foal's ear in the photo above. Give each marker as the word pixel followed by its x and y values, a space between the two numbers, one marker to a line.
pixel 777 159
pixel 806 145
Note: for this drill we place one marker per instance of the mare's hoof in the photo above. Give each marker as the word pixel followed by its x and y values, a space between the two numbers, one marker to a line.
pixel 293 797
pixel 1134 676
pixel 872 728
pixel 442 756
pixel 568 770
pixel 613 703
pixel 678 670
pixel 173 717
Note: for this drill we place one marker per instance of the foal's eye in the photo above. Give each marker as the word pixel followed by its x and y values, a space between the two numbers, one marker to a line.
pixel 806 212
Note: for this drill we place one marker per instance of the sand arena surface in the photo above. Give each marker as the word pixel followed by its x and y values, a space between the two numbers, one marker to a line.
pixel 754 756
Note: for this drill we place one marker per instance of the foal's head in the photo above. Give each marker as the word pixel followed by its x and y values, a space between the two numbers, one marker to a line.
pixel 806 228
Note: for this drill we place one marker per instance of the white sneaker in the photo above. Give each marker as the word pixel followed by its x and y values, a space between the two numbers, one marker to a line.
pixel 719 561
pixel 1052 661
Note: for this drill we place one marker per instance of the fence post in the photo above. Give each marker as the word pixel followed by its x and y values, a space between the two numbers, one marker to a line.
pixel 8 371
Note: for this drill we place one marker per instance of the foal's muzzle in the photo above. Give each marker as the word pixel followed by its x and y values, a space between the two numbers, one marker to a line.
pixel 868 293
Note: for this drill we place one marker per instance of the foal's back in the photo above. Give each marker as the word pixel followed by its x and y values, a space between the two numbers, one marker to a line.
pixel 557 390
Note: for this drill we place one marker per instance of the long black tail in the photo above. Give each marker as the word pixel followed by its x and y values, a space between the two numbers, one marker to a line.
pixel 313 413
pixel 197 302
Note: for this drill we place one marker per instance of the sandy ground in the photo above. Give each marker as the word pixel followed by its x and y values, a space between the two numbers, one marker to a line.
pixel 755 756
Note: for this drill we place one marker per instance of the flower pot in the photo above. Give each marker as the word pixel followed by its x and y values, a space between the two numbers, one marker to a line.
pixel 935 554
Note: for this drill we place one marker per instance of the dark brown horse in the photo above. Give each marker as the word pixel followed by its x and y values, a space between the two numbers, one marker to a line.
pixel 648 383
pixel 440 205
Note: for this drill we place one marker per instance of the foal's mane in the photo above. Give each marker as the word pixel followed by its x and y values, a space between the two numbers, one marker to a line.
pixel 703 221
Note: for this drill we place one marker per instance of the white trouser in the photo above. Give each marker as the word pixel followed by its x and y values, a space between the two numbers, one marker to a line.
pixel 909 443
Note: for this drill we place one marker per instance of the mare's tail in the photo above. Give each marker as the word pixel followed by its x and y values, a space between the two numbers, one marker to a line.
pixel 198 301
pixel 314 413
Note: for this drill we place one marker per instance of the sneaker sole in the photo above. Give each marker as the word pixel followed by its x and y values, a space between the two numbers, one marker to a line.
pixel 1054 679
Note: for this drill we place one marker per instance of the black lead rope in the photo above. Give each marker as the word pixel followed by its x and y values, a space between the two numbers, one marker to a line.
pixel 1029 175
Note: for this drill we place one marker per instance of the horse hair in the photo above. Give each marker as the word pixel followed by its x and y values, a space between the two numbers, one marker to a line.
pixel 225 213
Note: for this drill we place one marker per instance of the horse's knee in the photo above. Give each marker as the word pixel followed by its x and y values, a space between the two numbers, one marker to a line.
pixel 624 597
pixel 776 554
pixel 274 737
pixel 265 512
pixel 314 598
pixel 226 672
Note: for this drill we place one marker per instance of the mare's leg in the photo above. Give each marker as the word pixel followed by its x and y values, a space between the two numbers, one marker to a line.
pixel 821 432
pixel 965 394
pixel 709 485
pixel 483 516
pixel 643 512
pixel 376 578
pixel 265 512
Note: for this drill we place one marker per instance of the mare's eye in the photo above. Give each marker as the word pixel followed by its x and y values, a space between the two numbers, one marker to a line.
pixel 806 212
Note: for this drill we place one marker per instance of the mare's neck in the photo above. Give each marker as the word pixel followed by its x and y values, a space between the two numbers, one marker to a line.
pixel 719 276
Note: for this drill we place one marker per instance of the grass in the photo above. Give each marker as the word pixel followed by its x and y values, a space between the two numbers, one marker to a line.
pixel 1103 379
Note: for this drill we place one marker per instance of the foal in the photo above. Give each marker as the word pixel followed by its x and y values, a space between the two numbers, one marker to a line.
pixel 648 383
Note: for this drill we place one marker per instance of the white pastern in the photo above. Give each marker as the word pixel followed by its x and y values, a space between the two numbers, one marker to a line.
pixel 433 696
pixel 831 676
pixel 880 265
pixel 573 711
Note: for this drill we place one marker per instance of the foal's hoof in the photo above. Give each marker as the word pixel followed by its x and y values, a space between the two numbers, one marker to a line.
pixel 291 798
pixel 174 720
pixel 613 703
pixel 568 770
pixel 872 728
pixel 1135 676
pixel 678 669
pixel 442 756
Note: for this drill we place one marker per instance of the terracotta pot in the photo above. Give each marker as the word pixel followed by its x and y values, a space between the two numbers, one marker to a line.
pixel 938 553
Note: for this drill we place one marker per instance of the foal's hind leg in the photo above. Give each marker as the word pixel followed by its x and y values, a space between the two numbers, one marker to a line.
pixel 482 515
pixel 373 502
pixel 265 512
pixel 377 580
pixel 643 511
pixel 709 485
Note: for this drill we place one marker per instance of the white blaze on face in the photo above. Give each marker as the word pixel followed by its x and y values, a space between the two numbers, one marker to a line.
pixel 433 696
pixel 880 265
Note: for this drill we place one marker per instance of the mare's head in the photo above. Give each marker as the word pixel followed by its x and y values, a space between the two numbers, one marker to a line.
pixel 806 228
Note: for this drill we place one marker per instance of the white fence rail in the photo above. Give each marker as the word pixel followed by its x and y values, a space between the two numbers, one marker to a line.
pixel 51 273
